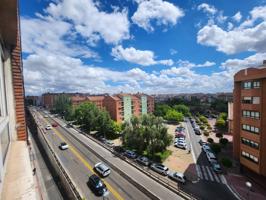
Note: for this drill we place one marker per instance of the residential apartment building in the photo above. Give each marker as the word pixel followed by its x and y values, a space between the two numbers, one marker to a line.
pixel 14 154
pixel 249 118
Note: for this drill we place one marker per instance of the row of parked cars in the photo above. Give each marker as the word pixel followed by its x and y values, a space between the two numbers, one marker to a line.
pixel 180 138
pixel 195 126
pixel 157 167
pixel 211 157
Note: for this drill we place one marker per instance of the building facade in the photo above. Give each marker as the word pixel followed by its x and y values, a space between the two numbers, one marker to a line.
pixel 249 118
pixel 12 112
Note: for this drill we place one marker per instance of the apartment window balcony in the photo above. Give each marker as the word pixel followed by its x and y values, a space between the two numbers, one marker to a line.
pixel 250 129
pixel 249 143
pixel 251 100
pixel 250 157
pixel 251 114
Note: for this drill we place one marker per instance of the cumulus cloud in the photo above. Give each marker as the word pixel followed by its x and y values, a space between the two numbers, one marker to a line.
pixel 91 22
pixel 237 17
pixel 209 9
pixel 141 57
pixel 163 12
pixel 188 64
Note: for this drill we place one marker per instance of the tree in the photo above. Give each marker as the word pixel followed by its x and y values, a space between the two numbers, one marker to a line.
pixel 146 133
pixel 220 124
pixel 161 109
pixel 216 148
pixel 182 109
pixel 174 116
pixel 63 106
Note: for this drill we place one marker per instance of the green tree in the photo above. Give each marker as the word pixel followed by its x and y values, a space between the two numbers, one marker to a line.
pixel 173 115
pixel 220 124
pixel 182 109
pixel 161 109
pixel 146 133
pixel 63 105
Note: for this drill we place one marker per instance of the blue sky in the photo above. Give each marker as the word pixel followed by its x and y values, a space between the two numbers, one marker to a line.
pixel 151 46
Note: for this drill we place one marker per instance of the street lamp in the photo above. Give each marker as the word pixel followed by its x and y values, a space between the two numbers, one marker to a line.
pixel 249 186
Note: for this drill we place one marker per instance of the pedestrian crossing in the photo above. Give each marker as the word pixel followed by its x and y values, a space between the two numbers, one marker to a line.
pixel 206 173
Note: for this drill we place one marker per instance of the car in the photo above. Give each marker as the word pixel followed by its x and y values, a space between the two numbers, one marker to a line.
pixel 160 168
pixel 202 143
pixel 181 145
pixel 216 167
pixel 97 185
pixel 102 169
pixel 179 177
pixel 108 143
pixel 143 160
pixel 63 146
pixel 181 139
pixel 130 154
pixel 180 129
pixel 48 127
pixel 206 148
pixel 46 116
pixel 197 131
pixel 54 124
pixel 119 149
pixel 211 157
pixel 180 135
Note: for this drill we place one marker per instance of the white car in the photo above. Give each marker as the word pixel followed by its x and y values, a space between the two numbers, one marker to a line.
pixel 45 116
pixel 181 145
pixel 179 177
pixel 48 127
pixel 63 146
pixel 102 169
pixel 181 139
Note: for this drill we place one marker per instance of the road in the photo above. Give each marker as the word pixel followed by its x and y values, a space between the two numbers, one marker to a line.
pixel 210 185
pixel 78 161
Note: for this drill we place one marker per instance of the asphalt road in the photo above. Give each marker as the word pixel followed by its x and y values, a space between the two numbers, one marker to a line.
pixel 210 185
pixel 120 186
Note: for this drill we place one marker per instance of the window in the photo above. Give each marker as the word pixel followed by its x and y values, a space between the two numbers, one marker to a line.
pixel 250 157
pixel 247 85
pixel 251 129
pixel 250 143
pixel 256 100
pixel 256 84
pixel 251 100
pixel 251 114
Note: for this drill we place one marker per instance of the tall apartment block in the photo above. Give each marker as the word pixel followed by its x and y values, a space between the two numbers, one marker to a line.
pixel 249 118
pixel 13 133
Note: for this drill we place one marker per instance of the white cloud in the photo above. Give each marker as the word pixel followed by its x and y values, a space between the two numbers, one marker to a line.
pixel 163 12
pixel 230 26
pixel 221 18
pixel 237 17
pixel 141 57
pixel 209 9
pixel 239 39
pixel 173 51
pixel 90 22
pixel 188 64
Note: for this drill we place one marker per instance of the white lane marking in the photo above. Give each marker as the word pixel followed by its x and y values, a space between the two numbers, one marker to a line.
pixel 216 177
pixel 223 179
pixel 210 175
pixel 204 173
pixel 199 172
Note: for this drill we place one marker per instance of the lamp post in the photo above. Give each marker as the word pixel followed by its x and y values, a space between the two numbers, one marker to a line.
pixel 249 186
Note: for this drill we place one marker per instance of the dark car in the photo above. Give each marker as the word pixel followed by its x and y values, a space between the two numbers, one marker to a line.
pixel 119 149
pixel 130 154
pixel 197 132
pixel 54 124
pixel 201 142
pixel 96 185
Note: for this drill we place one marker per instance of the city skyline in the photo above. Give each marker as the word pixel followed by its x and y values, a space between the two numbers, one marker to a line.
pixel 138 46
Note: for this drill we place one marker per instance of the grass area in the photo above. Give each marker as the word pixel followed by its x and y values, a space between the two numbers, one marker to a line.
pixel 163 155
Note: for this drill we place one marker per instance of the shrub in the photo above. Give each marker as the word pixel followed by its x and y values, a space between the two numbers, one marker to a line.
pixel 223 141
pixel 210 140
pixel 216 148
pixel 226 162
pixel 202 127
pixel 219 135
pixel 206 133
pixel 209 127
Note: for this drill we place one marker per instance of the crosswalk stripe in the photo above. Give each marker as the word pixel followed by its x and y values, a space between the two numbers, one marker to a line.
pixel 210 175
pixel 199 172
pixel 216 177
pixel 204 173
pixel 223 179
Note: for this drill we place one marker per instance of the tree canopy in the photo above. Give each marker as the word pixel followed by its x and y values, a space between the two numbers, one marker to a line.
pixel 174 116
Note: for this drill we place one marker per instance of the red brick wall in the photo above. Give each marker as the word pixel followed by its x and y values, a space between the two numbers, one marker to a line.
pixel 18 87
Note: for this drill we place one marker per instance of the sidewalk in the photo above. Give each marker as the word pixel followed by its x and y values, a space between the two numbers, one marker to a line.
pixel 18 181
pixel 238 184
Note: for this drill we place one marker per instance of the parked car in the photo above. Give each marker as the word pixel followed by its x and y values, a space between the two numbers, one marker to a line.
pixel 202 143
pixel 48 127
pixel 211 157
pixel 63 146
pixel 216 167
pixel 181 139
pixel 143 160
pixel 181 145
pixel 102 169
pixel 159 168
pixel 130 154
pixel 180 135
pixel 119 149
pixel 109 142
pixel 46 116
pixel 179 177
pixel 206 148
pixel 96 185
pixel 197 131
pixel 54 124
